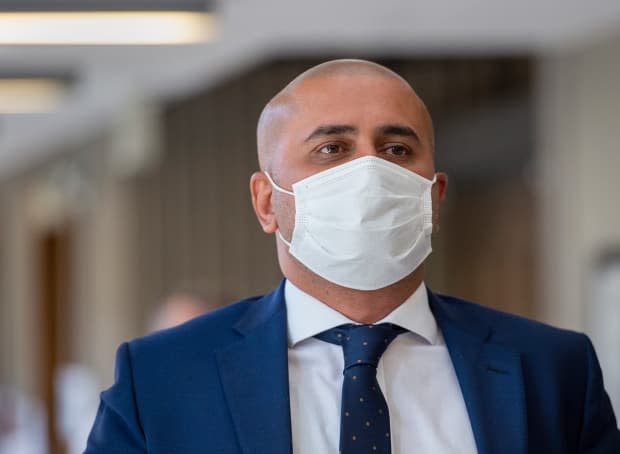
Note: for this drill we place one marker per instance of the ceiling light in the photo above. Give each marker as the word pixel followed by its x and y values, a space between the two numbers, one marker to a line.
pixel 105 27
pixel 31 95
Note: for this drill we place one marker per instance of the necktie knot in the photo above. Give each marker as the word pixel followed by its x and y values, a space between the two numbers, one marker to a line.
pixel 362 345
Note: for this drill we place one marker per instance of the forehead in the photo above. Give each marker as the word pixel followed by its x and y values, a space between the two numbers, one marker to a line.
pixel 358 100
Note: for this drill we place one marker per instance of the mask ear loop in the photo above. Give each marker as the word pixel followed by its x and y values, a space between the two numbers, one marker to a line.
pixel 276 187
pixel 280 189
pixel 282 238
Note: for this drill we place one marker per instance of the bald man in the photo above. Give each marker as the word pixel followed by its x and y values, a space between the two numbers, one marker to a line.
pixel 352 353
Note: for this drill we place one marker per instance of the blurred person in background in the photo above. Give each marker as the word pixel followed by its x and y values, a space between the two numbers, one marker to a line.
pixel 352 353
pixel 176 309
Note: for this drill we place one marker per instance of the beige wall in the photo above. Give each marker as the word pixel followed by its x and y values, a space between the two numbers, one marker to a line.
pixel 107 312
pixel 20 352
pixel 578 179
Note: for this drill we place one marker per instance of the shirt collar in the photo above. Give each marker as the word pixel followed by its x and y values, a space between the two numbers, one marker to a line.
pixel 307 316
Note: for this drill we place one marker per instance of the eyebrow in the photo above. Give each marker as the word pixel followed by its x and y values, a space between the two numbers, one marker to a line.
pixel 397 130
pixel 331 130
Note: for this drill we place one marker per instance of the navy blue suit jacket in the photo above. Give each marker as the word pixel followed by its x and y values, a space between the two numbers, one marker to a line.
pixel 219 384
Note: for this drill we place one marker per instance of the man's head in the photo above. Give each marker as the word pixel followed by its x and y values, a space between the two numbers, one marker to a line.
pixel 299 96
pixel 176 309
pixel 331 114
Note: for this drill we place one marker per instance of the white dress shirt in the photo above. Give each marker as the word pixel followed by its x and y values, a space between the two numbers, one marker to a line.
pixel 416 376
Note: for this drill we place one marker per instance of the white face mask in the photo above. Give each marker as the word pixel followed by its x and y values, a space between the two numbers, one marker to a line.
pixel 364 224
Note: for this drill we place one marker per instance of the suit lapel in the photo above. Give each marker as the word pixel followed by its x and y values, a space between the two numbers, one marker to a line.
pixel 490 378
pixel 254 373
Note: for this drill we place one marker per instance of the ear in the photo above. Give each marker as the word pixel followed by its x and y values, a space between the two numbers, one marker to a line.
pixel 438 195
pixel 260 190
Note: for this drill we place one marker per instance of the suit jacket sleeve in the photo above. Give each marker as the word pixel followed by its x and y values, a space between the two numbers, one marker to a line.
pixel 117 427
pixel 600 434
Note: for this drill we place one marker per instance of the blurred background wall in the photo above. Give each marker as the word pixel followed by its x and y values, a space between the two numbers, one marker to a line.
pixel 134 189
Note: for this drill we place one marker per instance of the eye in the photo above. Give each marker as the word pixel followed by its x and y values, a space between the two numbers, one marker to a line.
pixel 330 148
pixel 397 150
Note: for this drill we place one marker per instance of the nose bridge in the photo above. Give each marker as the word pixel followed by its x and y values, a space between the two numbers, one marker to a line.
pixel 366 145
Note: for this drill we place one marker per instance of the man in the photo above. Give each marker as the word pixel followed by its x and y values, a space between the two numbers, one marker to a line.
pixel 351 353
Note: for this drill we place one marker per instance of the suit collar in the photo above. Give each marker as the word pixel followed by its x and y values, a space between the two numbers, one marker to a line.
pixel 307 316
pixel 254 375
pixel 269 306
pixel 489 375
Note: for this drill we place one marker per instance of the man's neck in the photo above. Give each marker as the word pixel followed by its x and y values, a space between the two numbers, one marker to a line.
pixel 362 306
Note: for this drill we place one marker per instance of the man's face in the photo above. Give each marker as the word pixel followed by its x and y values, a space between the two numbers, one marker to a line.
pixel 339 118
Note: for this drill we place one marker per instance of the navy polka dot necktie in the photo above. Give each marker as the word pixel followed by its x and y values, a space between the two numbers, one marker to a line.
pixel 364 420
